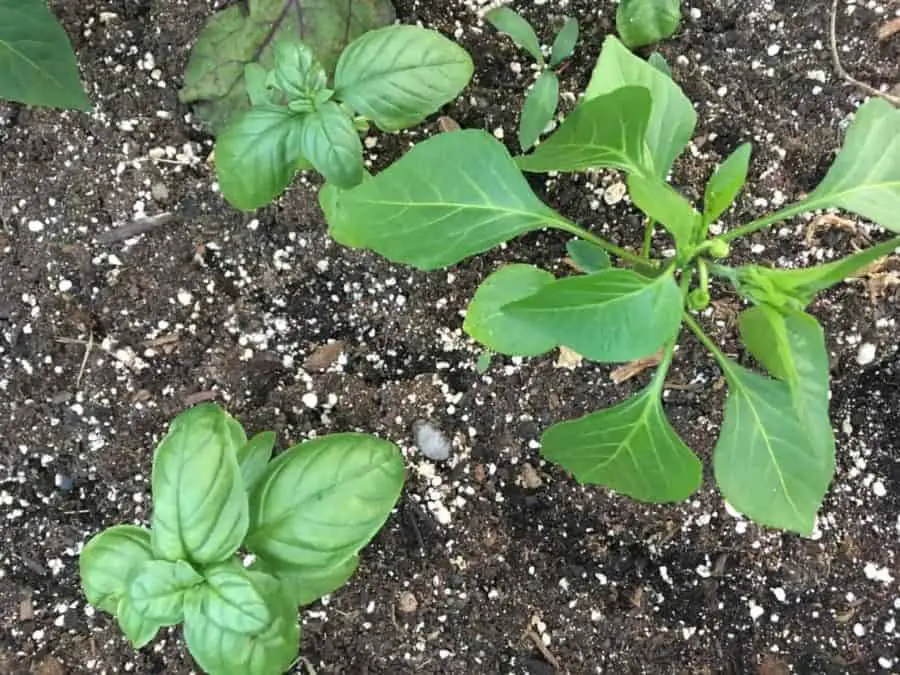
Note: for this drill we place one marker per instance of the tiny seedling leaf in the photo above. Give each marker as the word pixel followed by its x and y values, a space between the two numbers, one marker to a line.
pixel 587 256
pixel 646 22
pixel 726 182
pixel 330 142
pixel 297 72
pixel 518 29
pixel 109 561
pixel 539 109
pixel 661 202
pixel 564 43
pixel 659 62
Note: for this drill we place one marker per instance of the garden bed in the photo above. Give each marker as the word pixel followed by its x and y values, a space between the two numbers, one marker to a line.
pixel 494 562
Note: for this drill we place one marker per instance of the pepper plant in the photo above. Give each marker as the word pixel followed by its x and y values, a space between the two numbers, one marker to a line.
pixel 303 517
pixel 459 194
pixel 646 22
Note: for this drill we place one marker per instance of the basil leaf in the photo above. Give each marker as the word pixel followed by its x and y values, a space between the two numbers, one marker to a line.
pixel 308 584
pixel 330 143
pixel 491 326
pixel 297 71
pixel 518 29
pixel 539 108
pixel 253 457
pixel 138 628
pixel 398 75
pixel 662 203
pixel 611 316
pixel 607 131
pixel 323 500
pixel 645 22
pixel 256 81
pixel 231 599
pixel 199 503
pixel 564 44
pixel 157 591
pixel 726 183
pixel 589 257
pixel 428 210
pixel 109 560
pixel 256 156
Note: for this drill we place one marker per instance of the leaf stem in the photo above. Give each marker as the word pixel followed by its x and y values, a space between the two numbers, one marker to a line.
pixel 649 228
pixel 708 343
pixel 765 221
pixel 568 226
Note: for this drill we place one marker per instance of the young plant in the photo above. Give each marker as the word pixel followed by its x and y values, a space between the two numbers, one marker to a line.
pixel 303 516
pixel 461 193
pixel 646 22
pixel 543 98
pixel 393 77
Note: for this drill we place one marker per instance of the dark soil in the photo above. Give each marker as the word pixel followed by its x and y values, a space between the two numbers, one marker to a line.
pixel 101 344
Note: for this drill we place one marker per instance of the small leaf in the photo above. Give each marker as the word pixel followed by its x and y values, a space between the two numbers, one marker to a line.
pixel 429 210
pixel 257 156
pixel 157 590
pixel 646 22
pixel 397 76
pixel 109 561
pixel 659 62
pixel 37 64
pixel 486 322
pixel 231 599
pixel 321 501
pixel 256 81
pixel 611 316
pixel 484 362
pixel 297 72
pixel 672 117
pixel 330 143
pixel 607 131
pixel 725 184
pixel 254 456
pixel 662 203
pixel 306 585
pixel 539 108
pixel 589 257
pixel 139 629
pixel 199 504
pixel 508 21
pixel 564 44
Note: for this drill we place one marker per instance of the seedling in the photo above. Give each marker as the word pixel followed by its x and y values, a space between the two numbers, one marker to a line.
pixel 303 516
pixel 461 193
pixel 543 98
pixel 646 22
pixel 393 77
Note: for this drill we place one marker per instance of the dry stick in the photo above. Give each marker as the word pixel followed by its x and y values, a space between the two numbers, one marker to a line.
pixel 542 648
pixel 835 57
pixel 87 353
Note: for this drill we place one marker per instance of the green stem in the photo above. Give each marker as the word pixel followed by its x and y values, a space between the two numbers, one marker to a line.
pixel 765 221
pixel 662 369
pixel 648 238
pixel 568 226
pixel 704 273
pixel 708 343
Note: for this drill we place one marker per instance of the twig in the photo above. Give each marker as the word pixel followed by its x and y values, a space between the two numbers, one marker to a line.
pixel 134 228
pixel 542 648
pixel 87 353
pixel 835 57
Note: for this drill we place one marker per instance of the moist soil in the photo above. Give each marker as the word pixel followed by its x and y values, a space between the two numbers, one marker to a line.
pixel 493 562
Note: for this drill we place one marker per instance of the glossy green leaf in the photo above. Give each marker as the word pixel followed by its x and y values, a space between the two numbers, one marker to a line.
pixel 491 326
pixel 297 72
pixel 37 64
pixel 254 456
pixel 157 590
pixel 865 177
pixel 588 257
pixel 430 210
pixel 138 628
pixel 539 108
pixel 510 22
pixel 231 598
pixel 305 585
pixel 247 32
pixel 330 142
pixel 646 22
pixel 199 503
pixel 672 116
pixel 766 463
pixel 323 500
pixel 607 131
pixel 564 43
pixel 611 316
pixel 257 85
pixel 397 76
pixel 725 184
pixel 109 561
pixel 661 202
pixel 659 62
pixel 257 155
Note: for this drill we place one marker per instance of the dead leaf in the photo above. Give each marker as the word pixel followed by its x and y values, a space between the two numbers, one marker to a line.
pixel 636 367
pixel 830 221
pixel 323 356
pixel 568 358
pixel 889 29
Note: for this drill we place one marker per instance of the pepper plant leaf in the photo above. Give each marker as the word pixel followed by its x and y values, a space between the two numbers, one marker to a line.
pixel 157 590
pixel 518 29
pixel 330 142
pixel 539 108
pixel 430 210
pixel 660 201
pixel 246 33
pixel 587 256
pixel 611 316
pixel 726 182
pixel 109 561
pixel 564 43
pixel 646 22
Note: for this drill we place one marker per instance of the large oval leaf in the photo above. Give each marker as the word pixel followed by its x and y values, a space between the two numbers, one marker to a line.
pixel 330 143
pixel 398 75
pixel 305 585
pixel 321 501
pixel 109 561
pixel 646 22
pixel 157 590
pixel 199 502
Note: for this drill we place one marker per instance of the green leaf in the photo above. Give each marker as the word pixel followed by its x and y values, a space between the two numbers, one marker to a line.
pixel 323 500
pixel 246 33
pixel 108 562
pixel 491 326
pixel 607 131
pixel 139 629
pixel 231 599
pixel 307 584
pixel 199 503
pixel 726 183
pixel 539 108
pixel 865 177
pixel 253 457
pixel 256 82
pixel 397 76
pixel 564 44
pixel 157 590
pixel 766 463
pixel 672 116
pixel 589 257
pixel 430 210
pixel 483 364
pixel 37 64
pixel 661 202
pixel 297 71
pixel 611 316
pixel 659 62
pixel 330 143
pixel 646 22
pixel 257 156
pixel 508 21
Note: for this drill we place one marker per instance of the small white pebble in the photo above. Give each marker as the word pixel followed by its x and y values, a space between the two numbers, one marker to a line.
pixel 859 630
pixel 866 353
pixel 65 285
pixel 879 489
pixel 184 298
pixel 35 226
pixel 310 400
pixel 773 50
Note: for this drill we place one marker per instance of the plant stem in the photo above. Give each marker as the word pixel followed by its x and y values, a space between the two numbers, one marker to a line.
pixel 765 221
pixel 662 368
pixel 648 238
pixel 704 273
pixel 580 232
pixel 707 342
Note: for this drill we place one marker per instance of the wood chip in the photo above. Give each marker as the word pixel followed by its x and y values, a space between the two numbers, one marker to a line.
pixel 630 370
pixel 446 124
pixel 26 609
pixel 200 397
pixel 889 29
pixel 323 356
pixel 568 358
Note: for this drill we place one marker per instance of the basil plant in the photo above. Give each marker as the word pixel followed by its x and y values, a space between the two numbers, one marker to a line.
pixel 303 518
pixel 459 194
pixel 393 77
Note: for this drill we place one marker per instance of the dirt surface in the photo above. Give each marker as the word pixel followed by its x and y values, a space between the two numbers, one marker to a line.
pixel 494 562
